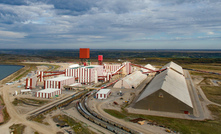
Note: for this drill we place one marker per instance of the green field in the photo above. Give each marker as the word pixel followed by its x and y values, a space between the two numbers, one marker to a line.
pixel 212 92
pixel 77 127
pixel 179 125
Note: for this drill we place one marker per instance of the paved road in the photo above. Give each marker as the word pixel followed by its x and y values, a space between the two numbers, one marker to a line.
pixel 198 110
pixel 203 112
pixel 205 98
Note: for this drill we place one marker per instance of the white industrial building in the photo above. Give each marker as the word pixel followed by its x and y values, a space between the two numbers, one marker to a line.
pixel 103 94
pixel 149 66
pixel 31 82
pixel 59 82
pixel 166 92
pixel 74 66
pixel 131 81
pixel 84 74
pixel 174 67
pixel 48 93
pixel 111 67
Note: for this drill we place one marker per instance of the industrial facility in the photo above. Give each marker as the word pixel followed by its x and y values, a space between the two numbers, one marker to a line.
pixel 131 81
pixel 168 87
pixel 103 94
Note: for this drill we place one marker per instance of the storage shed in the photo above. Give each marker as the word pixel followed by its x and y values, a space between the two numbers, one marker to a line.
pixel 167 92
pixel 174 67
pixel 48 93
pixel 131 81
pixel 103 94
pixel 150 67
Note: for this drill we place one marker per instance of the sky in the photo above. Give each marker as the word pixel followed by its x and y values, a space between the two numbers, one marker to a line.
pixel 110 24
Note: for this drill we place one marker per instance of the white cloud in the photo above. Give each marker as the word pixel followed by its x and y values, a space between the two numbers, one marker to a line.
pixel 66 21
pixel 9 34
pixel 210 33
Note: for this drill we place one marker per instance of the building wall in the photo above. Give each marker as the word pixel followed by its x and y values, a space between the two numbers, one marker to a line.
pixel 162 101
pixel 47 95
pixel 31 82
pixel 41 74
pixel 58 84
pixel 103 96
pixel 84 75
pixel 111 67
pixel 122 84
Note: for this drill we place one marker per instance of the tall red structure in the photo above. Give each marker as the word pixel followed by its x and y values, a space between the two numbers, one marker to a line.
pixel 84 54
pixel 100 59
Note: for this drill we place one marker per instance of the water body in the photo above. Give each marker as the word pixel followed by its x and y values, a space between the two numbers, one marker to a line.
pixel 6 70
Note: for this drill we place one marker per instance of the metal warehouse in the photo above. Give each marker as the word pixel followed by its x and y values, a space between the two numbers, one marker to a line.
pixel 48 93
pixel 167 92
pixel 174 66
pixel 103 94
pixel 59 82
pixel 131 81
pixel 150 67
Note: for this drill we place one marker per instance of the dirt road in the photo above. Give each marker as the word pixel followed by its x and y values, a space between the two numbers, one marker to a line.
pixel 18 118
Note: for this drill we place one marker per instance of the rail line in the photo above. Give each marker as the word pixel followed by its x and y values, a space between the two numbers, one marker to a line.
pixel 85 111
pixel 54 105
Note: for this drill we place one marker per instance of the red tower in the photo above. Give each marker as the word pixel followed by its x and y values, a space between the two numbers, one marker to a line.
pixel 100 59
pixel 84 54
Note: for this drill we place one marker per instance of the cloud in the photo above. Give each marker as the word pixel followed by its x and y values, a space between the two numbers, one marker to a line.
pixel 9 34
pixel 210 33
pixel 54 22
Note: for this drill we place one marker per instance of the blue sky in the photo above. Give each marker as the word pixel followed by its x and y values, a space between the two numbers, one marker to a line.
pixel 115 24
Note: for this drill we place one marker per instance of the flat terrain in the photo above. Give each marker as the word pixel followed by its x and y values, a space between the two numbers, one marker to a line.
pixel 207 90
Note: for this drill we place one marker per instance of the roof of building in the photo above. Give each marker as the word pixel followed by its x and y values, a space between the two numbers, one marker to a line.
pixel 49 90
pixel 103 91
pixel 26 90
pixel 135 78
pixel 171 82
pixel 95 66
pixel 148 66
pixel 76 84
pixel 174 66
pixel 115 64
pixel 61 78
pixel 74 66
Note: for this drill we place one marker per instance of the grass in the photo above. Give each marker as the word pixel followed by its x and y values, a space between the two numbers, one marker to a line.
pixel 33 102
pixel 40 119
pixel 4 111
pixel 205 67
pixel 115 113
pixel 1 101
pixel 77 127
pixel 179 125
pixel 17 128
pixel 213 93
pixel 27 69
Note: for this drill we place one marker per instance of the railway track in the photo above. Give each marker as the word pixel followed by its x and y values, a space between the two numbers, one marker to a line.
pixel 54 105
pixel 85 111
